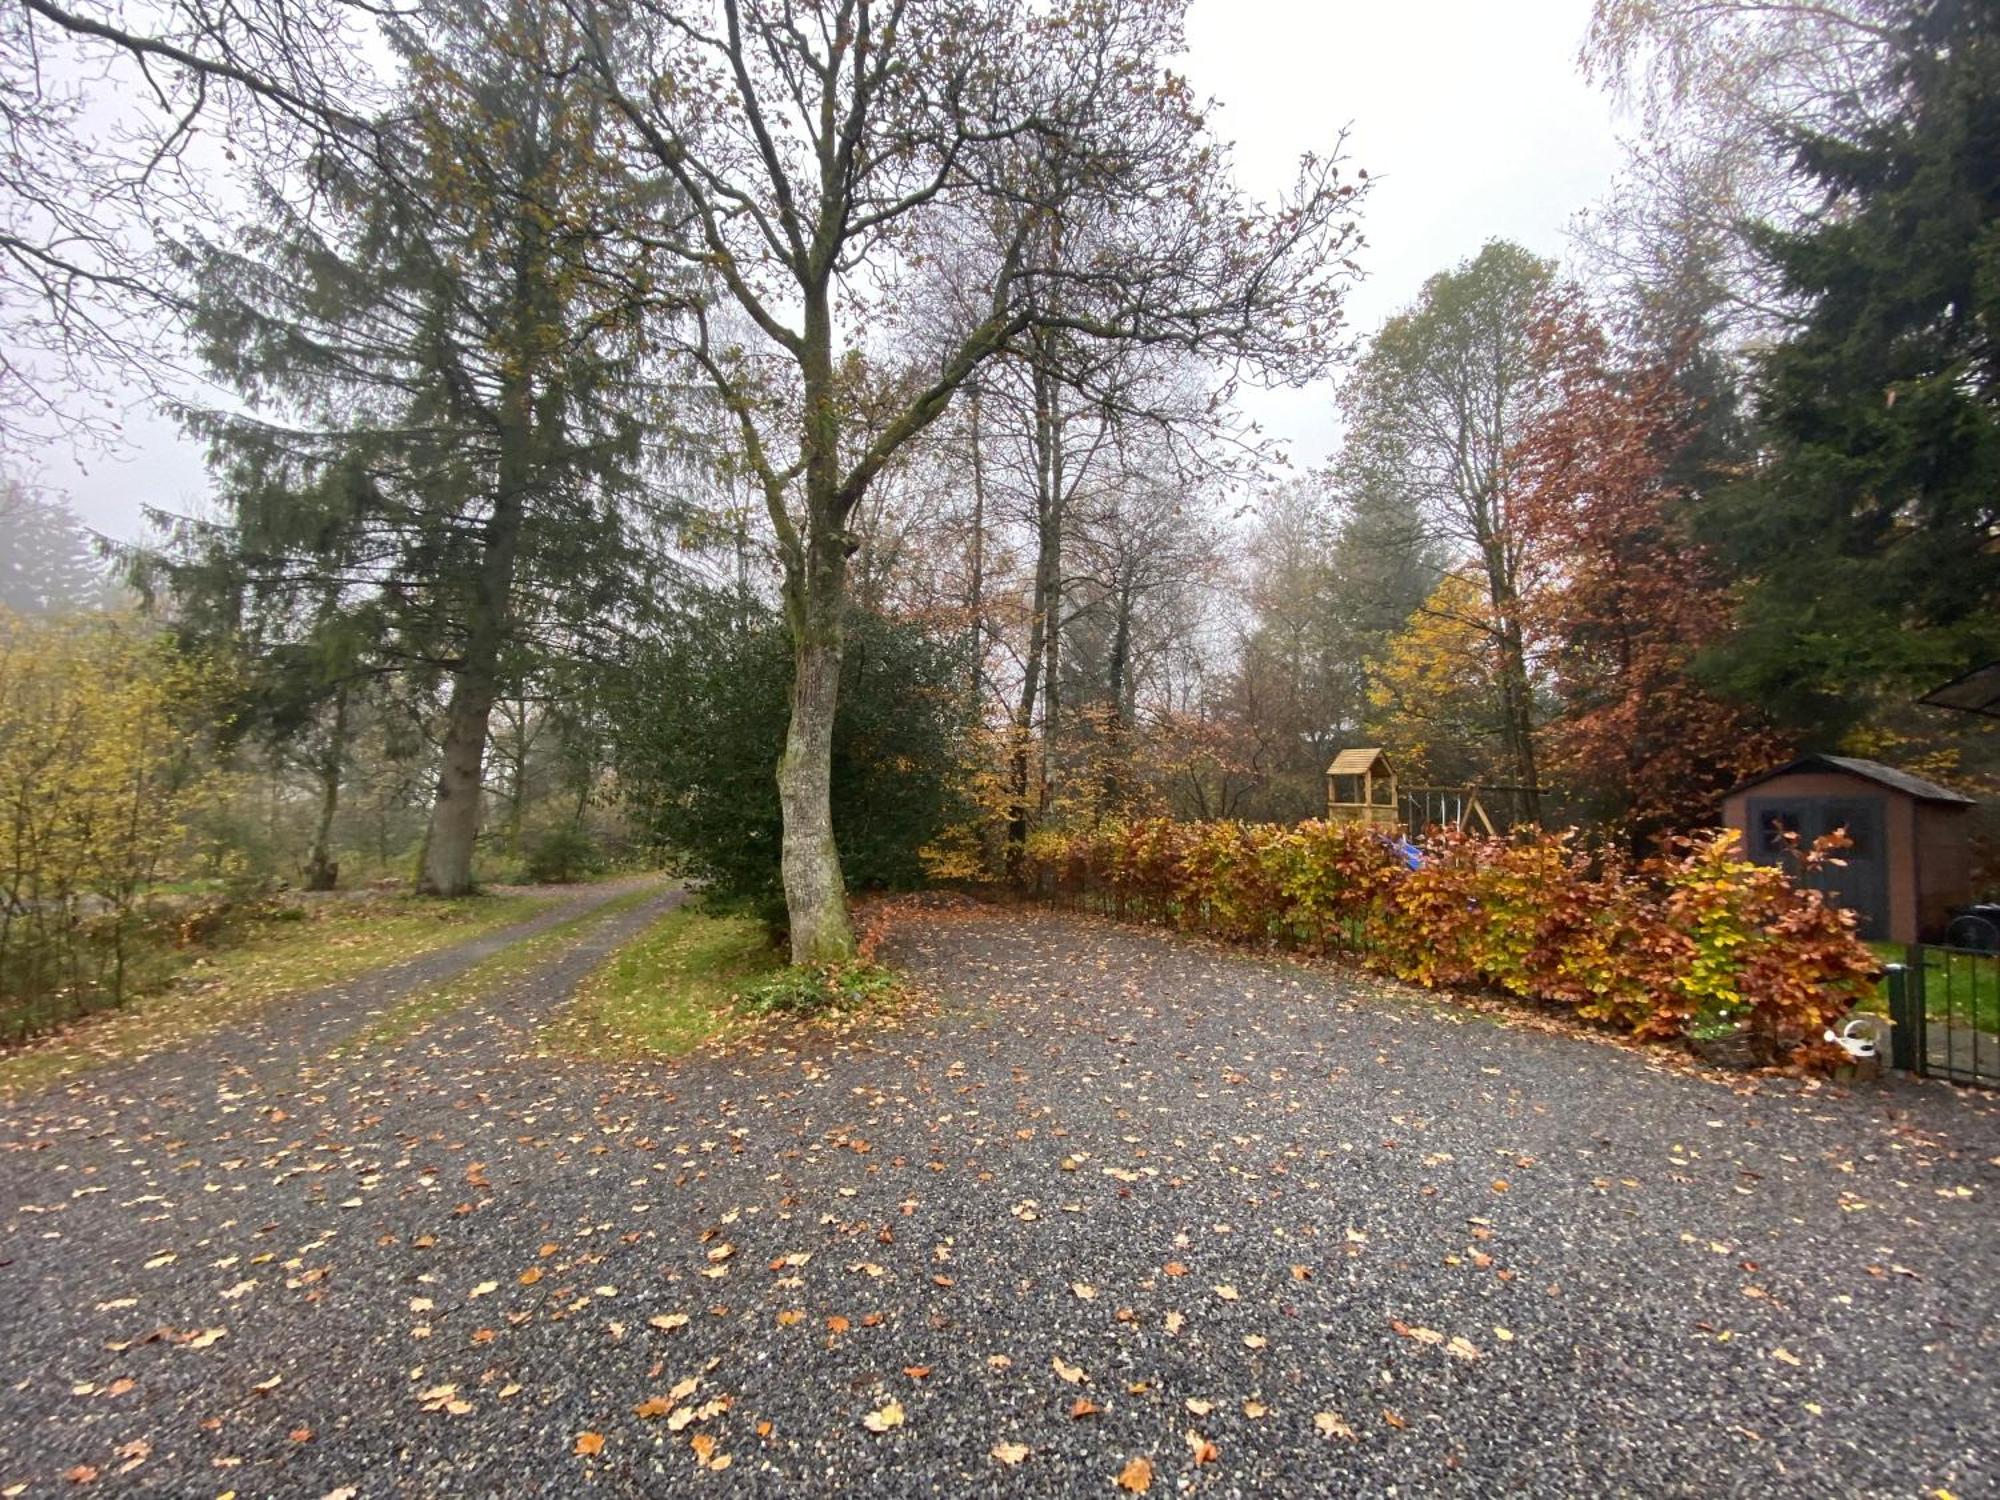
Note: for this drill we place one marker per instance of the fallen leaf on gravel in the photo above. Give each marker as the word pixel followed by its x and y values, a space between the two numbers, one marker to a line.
pixel 588 1443
pixel 207 1337
pixel 1072 1373
pixel 1255 1341
pixel 530 1276
pixel 1083 1291
pixel 1010 1454
pixel 1393 1420
pixel 1136 1477
pixel 345 1492
pixel 1785 1356
pixel 838 1324
pixel 81 1474
pixel 888 1416
pixel 790 1315
pixel 1228 1293
pixel 653 1406
pixel 485 1289
pixel 1463 1347
pixel 1255 1409
pixel 1175 1268
pixel 1505 1335
pixel 668 1322
pixel 1082 1407
pixel 1198 1406
pixel 1175 1322
pixel 917 1372
pixel 268 1385
pixel 1204 1452
pixel 1329 1424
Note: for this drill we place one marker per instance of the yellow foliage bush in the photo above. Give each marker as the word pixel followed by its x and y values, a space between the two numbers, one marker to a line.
pixel 103 726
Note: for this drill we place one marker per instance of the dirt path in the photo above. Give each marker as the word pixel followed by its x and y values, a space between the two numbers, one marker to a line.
pixel 1276 1232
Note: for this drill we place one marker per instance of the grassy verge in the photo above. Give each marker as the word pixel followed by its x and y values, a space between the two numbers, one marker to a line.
pixel 518 960
pixel 667 991
pixel 331 941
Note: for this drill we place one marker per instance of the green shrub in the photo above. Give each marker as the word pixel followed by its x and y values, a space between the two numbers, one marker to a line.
pixel 701 724
pixel 560 855
pixel 806 990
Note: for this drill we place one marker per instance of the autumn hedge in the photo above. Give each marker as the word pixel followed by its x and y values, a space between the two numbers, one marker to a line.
pixel 1700 939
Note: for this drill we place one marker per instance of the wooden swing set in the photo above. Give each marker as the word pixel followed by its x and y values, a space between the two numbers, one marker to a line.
pixel 1361 788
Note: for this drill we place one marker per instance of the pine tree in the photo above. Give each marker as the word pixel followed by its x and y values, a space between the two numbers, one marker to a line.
pixel 443 348
pixel 1868 536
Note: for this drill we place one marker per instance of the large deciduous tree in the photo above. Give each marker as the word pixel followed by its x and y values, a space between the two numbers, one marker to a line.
pixel 1631 598
pixel 814 149
pixel 1443 395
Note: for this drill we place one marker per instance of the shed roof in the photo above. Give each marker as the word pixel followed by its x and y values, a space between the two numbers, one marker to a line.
pixel 1977 692
pixel 1357 762
pixel 1869 770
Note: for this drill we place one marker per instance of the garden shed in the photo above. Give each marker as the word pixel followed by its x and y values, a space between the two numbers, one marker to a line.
pixel 1911 860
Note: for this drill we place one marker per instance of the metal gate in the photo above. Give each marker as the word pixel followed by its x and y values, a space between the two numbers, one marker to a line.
pixel 1946 1006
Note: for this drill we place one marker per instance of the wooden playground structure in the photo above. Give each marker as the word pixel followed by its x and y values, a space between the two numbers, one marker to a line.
pixel 1361 787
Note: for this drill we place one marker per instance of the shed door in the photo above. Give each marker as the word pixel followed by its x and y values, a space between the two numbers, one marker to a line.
pixel 1861 882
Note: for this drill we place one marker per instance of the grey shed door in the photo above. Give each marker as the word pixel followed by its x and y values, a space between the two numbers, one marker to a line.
pixel 1861 883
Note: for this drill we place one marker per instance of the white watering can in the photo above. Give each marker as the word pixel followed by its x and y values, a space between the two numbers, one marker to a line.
pixel 1862 1037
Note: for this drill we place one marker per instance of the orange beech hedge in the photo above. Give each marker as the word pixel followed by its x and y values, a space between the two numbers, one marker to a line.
pixel 1701 937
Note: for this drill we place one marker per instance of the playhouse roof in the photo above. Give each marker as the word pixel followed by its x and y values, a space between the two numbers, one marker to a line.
pixel 1358 762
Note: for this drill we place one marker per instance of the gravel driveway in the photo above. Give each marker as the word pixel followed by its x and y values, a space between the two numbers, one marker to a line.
pixel 1119 1205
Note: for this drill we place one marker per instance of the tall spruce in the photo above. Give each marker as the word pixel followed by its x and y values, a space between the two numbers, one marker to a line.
pixel 1869 535
pixel 439 340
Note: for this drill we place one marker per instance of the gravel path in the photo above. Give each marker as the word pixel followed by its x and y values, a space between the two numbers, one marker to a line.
pixel 1278 1230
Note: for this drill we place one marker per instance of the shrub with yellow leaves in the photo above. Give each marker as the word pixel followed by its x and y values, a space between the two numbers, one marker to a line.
pixel 104 756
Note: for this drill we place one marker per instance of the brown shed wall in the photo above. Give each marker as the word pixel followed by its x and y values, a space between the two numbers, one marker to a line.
pixel 1899 831
pixel 1927 845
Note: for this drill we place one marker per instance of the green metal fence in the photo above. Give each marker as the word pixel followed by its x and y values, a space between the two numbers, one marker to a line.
pixel 1946 1006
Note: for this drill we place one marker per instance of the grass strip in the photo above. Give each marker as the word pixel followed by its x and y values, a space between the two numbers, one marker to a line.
pixel 667 991
pixel 515 962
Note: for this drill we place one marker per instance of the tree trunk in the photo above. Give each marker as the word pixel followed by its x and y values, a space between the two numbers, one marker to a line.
pixel 976 591
pixel 448 848
pixel 816 606
pixel 1517 708
pixel 454 825
pixel 1038 672
pixel 322 874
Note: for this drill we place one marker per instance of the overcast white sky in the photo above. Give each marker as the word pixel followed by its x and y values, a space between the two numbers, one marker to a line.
pixel 1470 115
